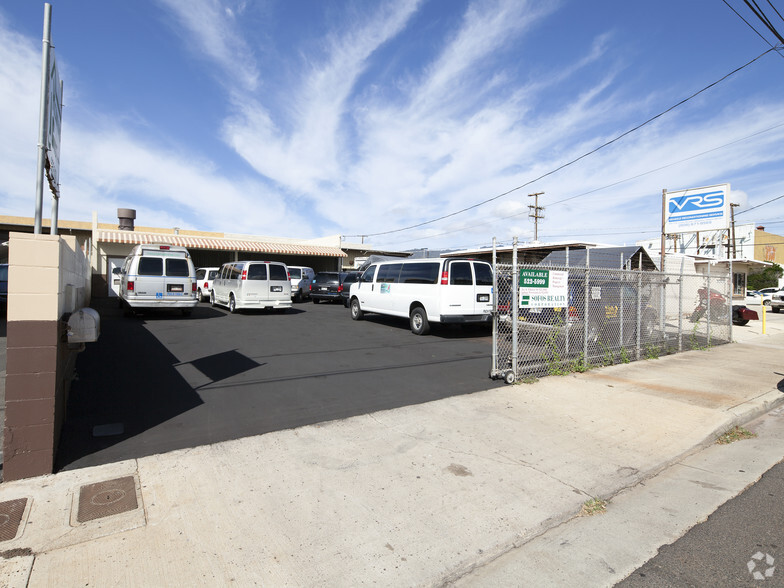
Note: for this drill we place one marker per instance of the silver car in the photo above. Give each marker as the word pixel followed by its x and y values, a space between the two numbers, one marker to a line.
pixel 777 301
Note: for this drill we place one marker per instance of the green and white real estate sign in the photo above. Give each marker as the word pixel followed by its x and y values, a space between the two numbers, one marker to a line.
pixel 542 288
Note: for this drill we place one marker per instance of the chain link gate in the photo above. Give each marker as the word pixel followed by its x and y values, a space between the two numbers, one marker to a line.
pixel 607 316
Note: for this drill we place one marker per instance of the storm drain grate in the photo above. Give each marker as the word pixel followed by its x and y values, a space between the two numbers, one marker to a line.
pixel 106 498
pixel 11 513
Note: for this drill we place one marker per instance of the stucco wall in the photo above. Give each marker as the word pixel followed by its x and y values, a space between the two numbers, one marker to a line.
pixel 48 278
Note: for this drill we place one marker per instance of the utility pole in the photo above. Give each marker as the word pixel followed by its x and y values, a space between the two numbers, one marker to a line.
pixel 534 214
pixel 732 224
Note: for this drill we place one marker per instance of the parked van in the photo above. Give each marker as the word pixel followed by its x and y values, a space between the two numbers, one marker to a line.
pixel 252 284
pixel 301 277
pixel 158 276
pixel 426 291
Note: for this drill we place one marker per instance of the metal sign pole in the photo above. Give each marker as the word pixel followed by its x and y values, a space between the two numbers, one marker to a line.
pixel 43 119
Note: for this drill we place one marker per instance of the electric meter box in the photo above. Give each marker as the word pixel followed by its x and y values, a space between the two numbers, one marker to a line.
pixel 84 326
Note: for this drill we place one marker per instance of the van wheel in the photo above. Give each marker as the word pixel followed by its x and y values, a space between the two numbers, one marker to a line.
pixel 315 300
pixel 356 311
pixel 212 298
pixel 199 295
pixel 419 324
pixel 232 304
pixel 298 296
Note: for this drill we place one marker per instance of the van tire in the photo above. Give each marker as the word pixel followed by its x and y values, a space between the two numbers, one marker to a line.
pixel 419 323
pixel 199 296
pixel 232 304
pixel 356 310
pixel 212 298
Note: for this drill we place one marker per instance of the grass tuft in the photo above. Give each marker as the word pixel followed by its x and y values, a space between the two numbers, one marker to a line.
pixel 593 506
pixel 735 434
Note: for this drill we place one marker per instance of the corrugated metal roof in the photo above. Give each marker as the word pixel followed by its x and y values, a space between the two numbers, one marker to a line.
pixel 194 242
pixel 602 257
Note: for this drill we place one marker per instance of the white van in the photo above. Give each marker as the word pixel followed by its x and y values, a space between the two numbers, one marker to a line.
pixel 252 284
pixel 426 291
pixel 158 276
pixel 301 278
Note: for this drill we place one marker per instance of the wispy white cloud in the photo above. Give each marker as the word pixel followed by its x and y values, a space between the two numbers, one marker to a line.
pixel 333 136
pixel 209 27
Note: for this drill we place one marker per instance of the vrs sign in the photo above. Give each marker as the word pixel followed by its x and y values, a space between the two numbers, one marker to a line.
pixel 698 209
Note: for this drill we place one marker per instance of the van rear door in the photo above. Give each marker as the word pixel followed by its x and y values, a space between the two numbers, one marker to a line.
pixel 469 290
pixel 178 280
pixel 255 283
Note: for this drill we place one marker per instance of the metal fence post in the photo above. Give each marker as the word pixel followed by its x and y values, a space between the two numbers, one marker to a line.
pixel 680 309
pixel 639 306
pixel 494 358
pixel 708 303
pixel 513 310
pixel 586 303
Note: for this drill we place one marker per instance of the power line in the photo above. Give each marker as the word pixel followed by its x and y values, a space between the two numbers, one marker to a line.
pixel 493 220
pixel 573 161
pixel 751 26
pixel 758 205
pixel 758 12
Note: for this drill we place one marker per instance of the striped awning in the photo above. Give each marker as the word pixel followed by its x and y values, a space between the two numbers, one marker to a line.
pixel 194 242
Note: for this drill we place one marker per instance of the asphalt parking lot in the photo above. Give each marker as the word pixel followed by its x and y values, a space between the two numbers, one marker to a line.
pixel 159 382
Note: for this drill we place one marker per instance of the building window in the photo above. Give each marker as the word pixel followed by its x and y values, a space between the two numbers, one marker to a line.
pixel 739 284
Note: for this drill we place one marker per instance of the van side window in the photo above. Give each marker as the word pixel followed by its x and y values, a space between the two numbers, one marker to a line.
pixel 460 274
pixel 177 267
pixel 257 271
pixel 367 275
pixel 389 274
pixel 277 272
pixel 484 275
pixel 150 266
pixel 419 273
pixel 235 271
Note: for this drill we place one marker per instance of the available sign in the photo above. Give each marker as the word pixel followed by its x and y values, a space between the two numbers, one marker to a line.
pixel 698 209
pixel 542 288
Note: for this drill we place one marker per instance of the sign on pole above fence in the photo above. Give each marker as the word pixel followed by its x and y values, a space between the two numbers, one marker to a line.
pixel 698 209
pixel 542 288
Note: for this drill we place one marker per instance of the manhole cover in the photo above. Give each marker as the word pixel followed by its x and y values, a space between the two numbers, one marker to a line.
pixel 106 498
pixel 11 513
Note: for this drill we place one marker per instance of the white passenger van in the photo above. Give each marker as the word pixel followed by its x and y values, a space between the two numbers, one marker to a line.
pixel 426 291
pixel 301 278
pixel 252 284
pixel 158 276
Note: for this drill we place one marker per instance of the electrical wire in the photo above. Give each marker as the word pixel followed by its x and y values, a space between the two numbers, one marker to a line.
pixel 751 26
pixel 758 205
pixel 573 161
pixel 765 20
pixel 494 220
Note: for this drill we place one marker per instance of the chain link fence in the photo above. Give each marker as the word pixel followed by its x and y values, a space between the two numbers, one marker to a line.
pixel 600 316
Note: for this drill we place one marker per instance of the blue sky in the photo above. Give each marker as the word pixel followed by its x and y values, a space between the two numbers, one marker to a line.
pixel 313 118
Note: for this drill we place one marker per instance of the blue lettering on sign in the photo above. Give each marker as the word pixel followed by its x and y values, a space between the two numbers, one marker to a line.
pixel 697 202
pixel 159 294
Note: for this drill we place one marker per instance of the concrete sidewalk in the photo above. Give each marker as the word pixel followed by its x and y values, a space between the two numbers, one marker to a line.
pixel 458 491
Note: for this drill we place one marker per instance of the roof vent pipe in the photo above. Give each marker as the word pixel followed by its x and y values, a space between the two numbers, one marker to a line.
pixel 126 217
